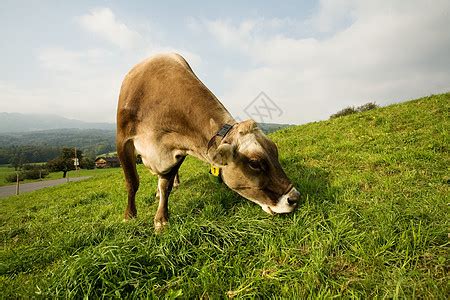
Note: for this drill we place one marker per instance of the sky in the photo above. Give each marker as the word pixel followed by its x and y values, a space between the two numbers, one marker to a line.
pixel 275 61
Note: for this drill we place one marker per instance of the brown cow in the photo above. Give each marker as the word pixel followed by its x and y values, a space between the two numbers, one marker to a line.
pixel 166 113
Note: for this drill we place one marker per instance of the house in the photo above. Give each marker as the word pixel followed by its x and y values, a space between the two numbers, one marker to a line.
pixel 107 162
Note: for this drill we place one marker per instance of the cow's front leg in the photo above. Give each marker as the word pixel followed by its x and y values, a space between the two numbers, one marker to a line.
pixel 176 183
pixel 165 183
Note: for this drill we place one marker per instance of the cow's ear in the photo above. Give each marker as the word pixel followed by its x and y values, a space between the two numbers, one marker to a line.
pixel 223 154
pixel 247 126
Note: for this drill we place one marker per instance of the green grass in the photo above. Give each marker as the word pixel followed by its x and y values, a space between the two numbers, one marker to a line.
pixel 373 223
pixel 5 170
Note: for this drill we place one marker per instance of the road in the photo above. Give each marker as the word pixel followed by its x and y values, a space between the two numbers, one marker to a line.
pixel 10 190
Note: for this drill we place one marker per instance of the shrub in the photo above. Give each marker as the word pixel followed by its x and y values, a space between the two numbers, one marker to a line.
pixel 35 174
pixel 28 167
pixel 27 174
pixel 13 177
pixel 344 112
pixel 34 171
pixel 352 110
pixel 367 106
pixel 87 163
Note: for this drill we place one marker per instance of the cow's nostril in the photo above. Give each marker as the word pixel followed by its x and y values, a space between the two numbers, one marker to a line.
pixel 292 201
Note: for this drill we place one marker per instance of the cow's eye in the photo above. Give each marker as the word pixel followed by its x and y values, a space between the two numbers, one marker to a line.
pixel 255 165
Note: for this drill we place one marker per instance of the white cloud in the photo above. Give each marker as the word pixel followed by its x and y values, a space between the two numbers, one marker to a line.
pixel 14 97
pixel 332 15
pixel 63 60
pixel 391 52
pixel 347 53
pixel 73 87
pixel 232 35
pixel 84 84
pixel 103 23
pixel 78 84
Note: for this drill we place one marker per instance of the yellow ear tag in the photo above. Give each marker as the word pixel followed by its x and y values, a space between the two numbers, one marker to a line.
pixel 215 171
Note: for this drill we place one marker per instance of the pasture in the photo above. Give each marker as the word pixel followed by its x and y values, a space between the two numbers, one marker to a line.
pixel 5 170
pixel 373 222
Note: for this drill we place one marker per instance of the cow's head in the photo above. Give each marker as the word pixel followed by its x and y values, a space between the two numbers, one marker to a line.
pixel 250 166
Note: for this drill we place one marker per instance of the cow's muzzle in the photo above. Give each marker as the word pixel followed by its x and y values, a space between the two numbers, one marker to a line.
pixel 286 203
pixel 293 196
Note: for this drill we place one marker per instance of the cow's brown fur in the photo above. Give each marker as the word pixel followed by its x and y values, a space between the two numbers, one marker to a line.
pixel 165 113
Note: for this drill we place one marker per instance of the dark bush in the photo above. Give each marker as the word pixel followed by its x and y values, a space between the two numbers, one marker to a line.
pixel 27 174
pixel 352 110
pixel 13 177
pixel 87 163
pixel 367 106
pixel 35 174
pixel 28 167
pixel 344 112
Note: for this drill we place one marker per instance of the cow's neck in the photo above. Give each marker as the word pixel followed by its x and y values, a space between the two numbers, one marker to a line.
pixel 213 124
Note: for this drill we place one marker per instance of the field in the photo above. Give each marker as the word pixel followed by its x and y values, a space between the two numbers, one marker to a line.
pixel 373 223
pixel 5 170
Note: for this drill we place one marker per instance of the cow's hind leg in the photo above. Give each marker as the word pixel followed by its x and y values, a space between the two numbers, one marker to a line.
pixel 165 184
pixel 127 156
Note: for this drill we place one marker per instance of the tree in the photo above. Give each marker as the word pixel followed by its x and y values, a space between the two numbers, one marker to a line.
pixel 60 164
pixel 65 162
pixel 17 158
pixel 87 163
pixel 69 153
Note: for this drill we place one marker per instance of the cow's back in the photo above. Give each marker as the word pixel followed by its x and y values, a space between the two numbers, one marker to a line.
pixel 163 108
pixel 159 90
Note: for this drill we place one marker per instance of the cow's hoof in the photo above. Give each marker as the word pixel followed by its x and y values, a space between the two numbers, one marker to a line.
pixel 130 214
pixel 128 219
pixel 160 225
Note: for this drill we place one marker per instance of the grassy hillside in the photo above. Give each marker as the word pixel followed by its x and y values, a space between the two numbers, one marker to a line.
pixel 373 223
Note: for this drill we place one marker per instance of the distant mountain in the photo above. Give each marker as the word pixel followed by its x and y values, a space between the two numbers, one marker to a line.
pixel 16 122
pixel 40 137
